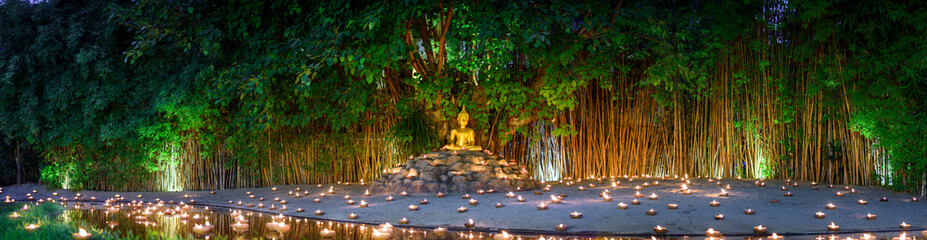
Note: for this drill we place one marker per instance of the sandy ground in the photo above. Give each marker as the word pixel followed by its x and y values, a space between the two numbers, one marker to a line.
pixel 791 215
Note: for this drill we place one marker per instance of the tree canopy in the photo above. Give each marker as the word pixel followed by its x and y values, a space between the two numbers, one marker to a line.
pixel 111 85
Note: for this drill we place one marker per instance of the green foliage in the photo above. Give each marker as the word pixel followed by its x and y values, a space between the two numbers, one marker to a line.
pixel 414 131
pixel 112 87
pixel 53 224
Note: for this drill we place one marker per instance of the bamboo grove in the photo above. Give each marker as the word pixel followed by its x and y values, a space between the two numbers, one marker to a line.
pixel 193 95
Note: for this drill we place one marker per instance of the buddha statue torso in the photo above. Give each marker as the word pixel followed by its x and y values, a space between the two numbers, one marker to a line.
pixel 462 138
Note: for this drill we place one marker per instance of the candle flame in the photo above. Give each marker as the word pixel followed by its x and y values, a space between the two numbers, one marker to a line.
pixel 83 232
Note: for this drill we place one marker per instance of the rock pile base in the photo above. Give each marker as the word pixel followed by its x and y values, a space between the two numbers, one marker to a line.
pixel 448 171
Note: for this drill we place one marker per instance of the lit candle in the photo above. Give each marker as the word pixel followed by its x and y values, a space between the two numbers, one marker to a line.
pixel 672 206
pixel 300 210
pixel 831 206
pixel 462 209
pixel 363 204
pixel 638 195
pixel 759 230
pixel 904 225
pixel 833 227
pixel 412 207
pixel 14 215
pixel 465 196
pixel 380 234
pixel 819 215
pixel 712 233
pixel 403 221
pixel 510 195
pixel 350 202
pixel 714 203
pixel 326 233
pixel 319 212
pixel 870 216
pixel 469 223
pixel 653 196
pixel 576 215
pixel 439 195
pixel 520 199
pixel 239 226
pixel 659 230
pixel 723 193
pixel 554 199
pixel 728 187
pixel 635 202
pixel 440 231
pixel 651 212
pixel 581 188
pixel 403 193
pixel 839 194
pixel 607 198
pixel 503 236
pixel 423 201
pixel 788 194
pixel 281 227
pixel 31 227
pixel 560 227
pixel 389 198
pixel 542 206
pixel 366 192
pixel 499 205
pixel 352 216
pixel 719 217
pixel 862 202
pixel 81 234
pixel 473 201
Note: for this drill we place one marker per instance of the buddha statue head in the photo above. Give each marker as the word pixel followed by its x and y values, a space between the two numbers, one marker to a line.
pixel 463 117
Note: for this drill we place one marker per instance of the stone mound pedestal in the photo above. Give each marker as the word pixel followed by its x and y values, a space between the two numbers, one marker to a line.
pixel 448 171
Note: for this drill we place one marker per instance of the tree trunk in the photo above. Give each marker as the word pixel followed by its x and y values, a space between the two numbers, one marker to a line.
pixel 19 165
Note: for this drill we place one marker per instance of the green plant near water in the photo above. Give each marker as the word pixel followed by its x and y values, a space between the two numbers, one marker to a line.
pixel 53 225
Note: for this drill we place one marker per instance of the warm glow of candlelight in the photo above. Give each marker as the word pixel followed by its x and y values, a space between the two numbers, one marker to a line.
pixel 833 227
pixel 328 233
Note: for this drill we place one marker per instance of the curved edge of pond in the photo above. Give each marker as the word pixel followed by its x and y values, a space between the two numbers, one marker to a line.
pixel 587 234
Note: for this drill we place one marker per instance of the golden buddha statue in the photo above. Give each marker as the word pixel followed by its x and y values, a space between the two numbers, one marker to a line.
pixel 462 138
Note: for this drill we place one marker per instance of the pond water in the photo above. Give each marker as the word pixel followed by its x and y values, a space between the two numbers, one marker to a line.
pixel 175 221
